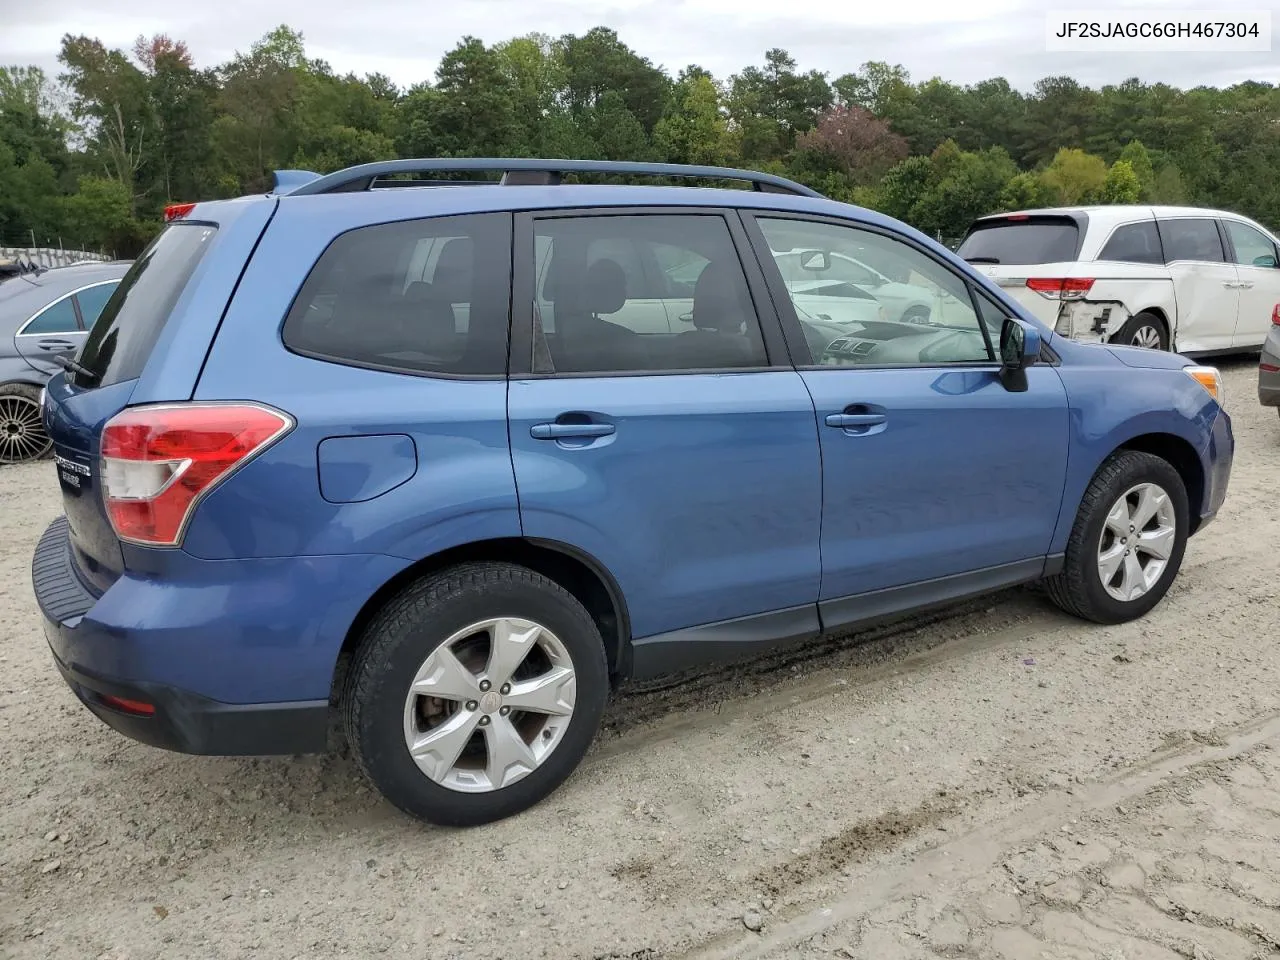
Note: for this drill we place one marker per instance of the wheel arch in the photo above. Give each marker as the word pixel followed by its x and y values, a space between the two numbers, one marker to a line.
pixel 573 569
pixel 1182 456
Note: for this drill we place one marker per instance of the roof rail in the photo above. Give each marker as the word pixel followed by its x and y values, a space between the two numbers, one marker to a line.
pixel 528 171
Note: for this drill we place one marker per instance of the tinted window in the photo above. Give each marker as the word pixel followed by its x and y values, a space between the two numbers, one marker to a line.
pixel 1134 243
pixel 93 300
pixel 1034 240
pixel 58 317
pixel 1253 249
pixel 1191 239
pixel 591 318
pixel 429 296
pixel 120 341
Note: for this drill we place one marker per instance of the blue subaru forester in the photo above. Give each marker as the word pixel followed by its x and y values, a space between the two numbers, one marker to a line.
pixel 493 446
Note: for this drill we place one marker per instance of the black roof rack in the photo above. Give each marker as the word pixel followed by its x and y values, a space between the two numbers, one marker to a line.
pixel 518 171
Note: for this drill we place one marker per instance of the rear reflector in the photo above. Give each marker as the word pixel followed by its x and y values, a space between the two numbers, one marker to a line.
pixel 159 461
pixel 176 211
pixel 1061 288
pixel 137 707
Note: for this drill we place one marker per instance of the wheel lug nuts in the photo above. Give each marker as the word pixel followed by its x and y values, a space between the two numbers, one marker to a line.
pixel 504 711
pixel 484 686
pixel 484 721
pixel 506 688
pixel 472 705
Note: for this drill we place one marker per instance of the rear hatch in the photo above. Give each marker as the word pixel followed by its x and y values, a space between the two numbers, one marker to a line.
pixel 106 373
pixel 1029 255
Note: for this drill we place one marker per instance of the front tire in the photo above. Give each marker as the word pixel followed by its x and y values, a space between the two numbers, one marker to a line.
pixel 1127 543
pixel 1144 330
pixel 475 693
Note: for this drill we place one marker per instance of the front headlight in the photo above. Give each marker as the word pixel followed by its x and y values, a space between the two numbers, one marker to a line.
pixel 1209 378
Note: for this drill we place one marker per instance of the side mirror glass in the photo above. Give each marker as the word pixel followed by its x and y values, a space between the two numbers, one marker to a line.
pixel 815 260
pixel 1019 349
pixel 1266 260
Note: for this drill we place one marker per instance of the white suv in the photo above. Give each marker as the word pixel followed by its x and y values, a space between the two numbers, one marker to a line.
pixel 1181 278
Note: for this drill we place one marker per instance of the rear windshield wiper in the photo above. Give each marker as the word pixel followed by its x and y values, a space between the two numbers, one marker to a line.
pixel 982 259
pixel 75 367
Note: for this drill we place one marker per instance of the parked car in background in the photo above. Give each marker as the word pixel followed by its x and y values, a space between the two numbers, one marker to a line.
pixel 43 316
pixel 1171 278
pixel 1269 364
pixel 914 303
pixel 324 451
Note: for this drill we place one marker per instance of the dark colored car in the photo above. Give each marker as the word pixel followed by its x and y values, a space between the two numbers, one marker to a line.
pixel 496 447
pixel 43 316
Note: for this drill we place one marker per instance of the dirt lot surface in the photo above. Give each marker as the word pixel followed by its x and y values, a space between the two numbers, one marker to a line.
pixel 1000 781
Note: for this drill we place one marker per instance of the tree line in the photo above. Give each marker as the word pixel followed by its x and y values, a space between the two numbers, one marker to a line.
pixel 92 156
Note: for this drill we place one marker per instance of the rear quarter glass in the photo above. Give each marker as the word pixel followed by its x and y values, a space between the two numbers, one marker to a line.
pixel 125 332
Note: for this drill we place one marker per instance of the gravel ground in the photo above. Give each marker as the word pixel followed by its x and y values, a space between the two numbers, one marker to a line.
pixel 1000 781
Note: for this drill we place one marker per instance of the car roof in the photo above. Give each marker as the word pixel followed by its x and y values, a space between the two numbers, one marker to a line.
pixel 1107 215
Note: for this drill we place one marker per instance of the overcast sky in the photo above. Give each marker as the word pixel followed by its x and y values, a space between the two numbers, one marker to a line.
pixel 962 42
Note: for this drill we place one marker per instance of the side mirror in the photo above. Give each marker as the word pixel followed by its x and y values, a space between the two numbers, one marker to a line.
pixel 1019 349
pixel 815 260
pixel 1266 260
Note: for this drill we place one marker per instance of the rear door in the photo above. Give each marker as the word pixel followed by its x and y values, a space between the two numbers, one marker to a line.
pixel 686 463
pixel 1257 264
pixel 56 331
pixel 1206 286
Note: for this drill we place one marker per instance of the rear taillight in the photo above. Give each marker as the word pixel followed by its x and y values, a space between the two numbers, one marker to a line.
pixel 176 211
pixel 1275 314
pixel 159 461
pixel 1061 288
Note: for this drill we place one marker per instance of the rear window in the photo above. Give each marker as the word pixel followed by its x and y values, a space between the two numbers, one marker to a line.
pixel 1035 240
pixel 121 340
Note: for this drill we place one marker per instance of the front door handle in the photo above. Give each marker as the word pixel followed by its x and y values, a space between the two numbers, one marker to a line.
pixel 559 431
pixel 847 420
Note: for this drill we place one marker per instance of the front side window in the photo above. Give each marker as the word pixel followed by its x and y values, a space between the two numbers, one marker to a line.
pixel 420 296
pixel 1191 238
pixel 651 293
pixel 1253 249
pixel 898 306
pixel 58 317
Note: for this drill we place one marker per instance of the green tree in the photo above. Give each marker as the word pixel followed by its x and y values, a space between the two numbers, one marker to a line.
pixel 1024 191
pixel 1076 177
pixel 694 130
pixel 1135 154
pixel 1122 184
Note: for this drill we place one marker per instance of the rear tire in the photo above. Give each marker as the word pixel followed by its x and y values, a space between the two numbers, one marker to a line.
pixel 1127 543
pixel 22 434
pixel 492 733
pixel 1145 329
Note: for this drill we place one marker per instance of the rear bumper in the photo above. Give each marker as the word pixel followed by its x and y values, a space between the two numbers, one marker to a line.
pixel 1269 380
pixel 230 657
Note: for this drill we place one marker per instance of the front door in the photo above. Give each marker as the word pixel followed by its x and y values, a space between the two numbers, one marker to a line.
pixel 1258 267
pixel 936 477
pixel 685 463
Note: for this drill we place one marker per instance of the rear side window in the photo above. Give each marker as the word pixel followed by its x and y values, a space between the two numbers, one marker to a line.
pixel 1134 243
pixel 92 300
pixel 121 340
pixel 1033 240
pixel 1191 239
pixel 59 317
pixel 420 296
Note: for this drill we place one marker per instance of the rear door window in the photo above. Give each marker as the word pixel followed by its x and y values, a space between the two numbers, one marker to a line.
pixel 92 300
pixel 1192 238
pixel 130 323
pixel 420 296
pixel 1134 243
pixel 1022 241
pixel 59 317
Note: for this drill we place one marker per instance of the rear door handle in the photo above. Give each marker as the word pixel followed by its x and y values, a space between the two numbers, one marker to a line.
pixel 54 344
pixel 847 420
pixel 559 431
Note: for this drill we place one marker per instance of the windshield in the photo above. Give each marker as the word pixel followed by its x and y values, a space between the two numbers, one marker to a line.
pixel 1034 240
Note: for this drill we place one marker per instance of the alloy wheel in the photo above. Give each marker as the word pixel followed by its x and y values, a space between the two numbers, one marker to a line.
pixel 1137 540
pixel 22 433
pixel 490 704
pixel 1146 336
